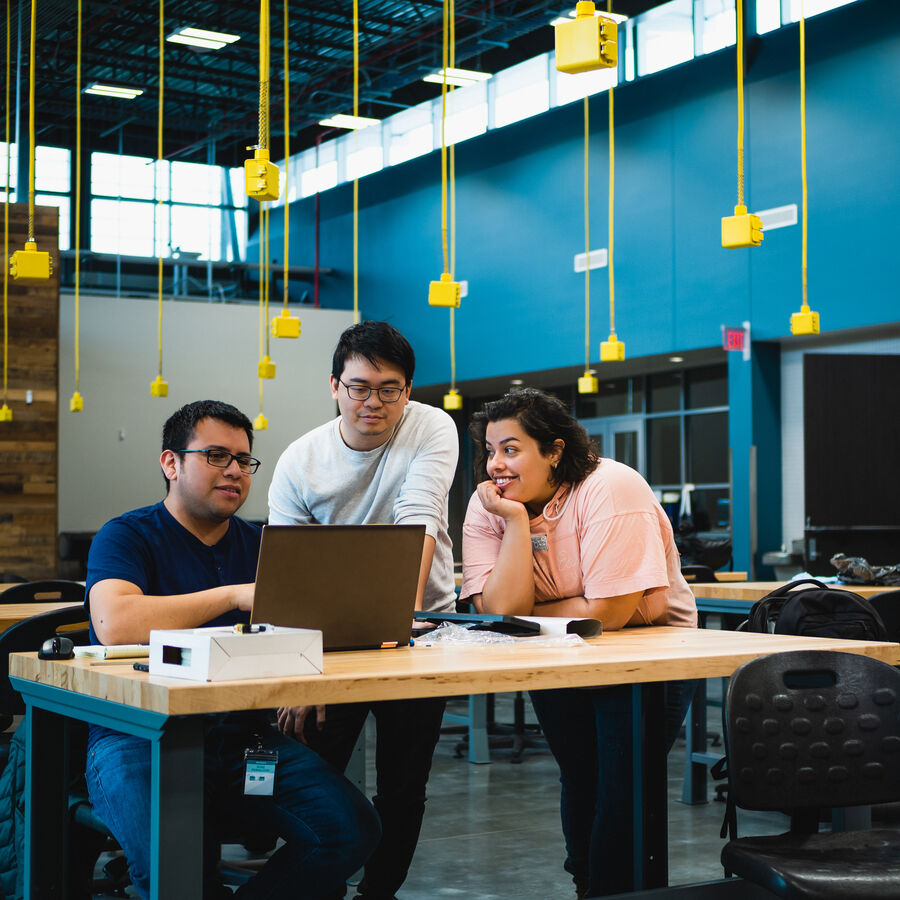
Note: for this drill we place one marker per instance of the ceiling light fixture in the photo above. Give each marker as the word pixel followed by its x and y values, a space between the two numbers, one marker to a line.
pixel 616 17
pixel 353 123
pixel 113 90
pixel 676 359
pixel 457 77
pixel 201 39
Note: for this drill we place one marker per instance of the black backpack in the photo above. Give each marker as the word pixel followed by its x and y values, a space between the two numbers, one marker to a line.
pixel 818 611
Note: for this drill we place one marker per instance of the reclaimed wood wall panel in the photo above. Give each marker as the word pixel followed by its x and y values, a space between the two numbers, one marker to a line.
pixel 29 443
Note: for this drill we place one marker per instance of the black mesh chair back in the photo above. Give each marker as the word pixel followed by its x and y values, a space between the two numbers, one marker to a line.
pixel 29 634
pixel 50 591
pixel 813 729
pixel 698 573
pixel 887 605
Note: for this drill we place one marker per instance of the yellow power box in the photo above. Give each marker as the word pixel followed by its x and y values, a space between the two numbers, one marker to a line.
pixel 586 43
pixel 261 176
pixel 31 263
pixel 612 350
pixel 805 322
pixel 158 387
pixel 588 384
pixel 285 325
pixel 452 400
pixel 743 229
pixel 76 402
pixel 266 368
pixel 5 413
pixel 260 423
pixel 445 292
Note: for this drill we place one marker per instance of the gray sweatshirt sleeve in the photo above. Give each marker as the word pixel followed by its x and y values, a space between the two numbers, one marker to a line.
pixel 286 503
pixel 423 496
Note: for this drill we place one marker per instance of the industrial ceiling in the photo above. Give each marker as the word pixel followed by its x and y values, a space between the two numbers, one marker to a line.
pixel 211 97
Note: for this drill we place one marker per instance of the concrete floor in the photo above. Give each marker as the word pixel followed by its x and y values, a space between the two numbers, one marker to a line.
pixel 492 831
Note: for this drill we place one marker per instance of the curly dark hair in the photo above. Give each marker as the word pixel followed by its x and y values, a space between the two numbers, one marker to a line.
pixel 544 418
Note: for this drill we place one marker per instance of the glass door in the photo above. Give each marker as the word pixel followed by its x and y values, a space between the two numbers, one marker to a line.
pixel 620 438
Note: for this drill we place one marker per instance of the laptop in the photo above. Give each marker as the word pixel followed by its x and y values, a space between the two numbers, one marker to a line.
pixel 355 583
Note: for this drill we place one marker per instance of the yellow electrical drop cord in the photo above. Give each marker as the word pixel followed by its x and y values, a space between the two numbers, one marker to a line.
pixel 805 307
pixel 78 207
pixel 264 74
pixel 452 16
pixel 6 227
pixel 355 180
pixel 444 60
pixel 287 151
pixel 612 195
pixel 587 241
pixel 159 203
pixel 32 70
pixel 262 263
pixel 266 238
pixel 740 98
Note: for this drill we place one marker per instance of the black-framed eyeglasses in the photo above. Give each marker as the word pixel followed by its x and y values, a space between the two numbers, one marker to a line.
pixel 221 459
pixel 363 392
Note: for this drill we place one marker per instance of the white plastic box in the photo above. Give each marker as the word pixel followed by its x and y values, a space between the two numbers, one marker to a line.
pixel 222 654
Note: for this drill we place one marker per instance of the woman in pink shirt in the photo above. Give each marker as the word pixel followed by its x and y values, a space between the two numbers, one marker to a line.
pixel 556 531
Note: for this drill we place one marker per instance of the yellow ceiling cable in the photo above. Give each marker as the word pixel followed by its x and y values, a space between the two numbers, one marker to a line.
pixel 587 384
pixel 612 350
pixel 743 229
pixel 445 292
pixel 31 264
pixel 806 321
pixel 355 180
pixel 452 399
pixel 265 368
pixel 5 411
pixel 286 325
pixel 76 402
pixel 159 387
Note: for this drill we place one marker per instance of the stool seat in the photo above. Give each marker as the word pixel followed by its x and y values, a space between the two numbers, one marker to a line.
pixel 864 865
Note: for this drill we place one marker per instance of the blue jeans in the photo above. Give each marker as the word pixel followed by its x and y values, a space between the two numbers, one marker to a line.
pixel 329 827
pixel 589 733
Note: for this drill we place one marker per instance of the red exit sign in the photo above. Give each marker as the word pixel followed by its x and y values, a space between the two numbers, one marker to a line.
pixel 737 337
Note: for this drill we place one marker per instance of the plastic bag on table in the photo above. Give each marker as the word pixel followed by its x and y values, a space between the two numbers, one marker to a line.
pixel 452 633
pixel 858 570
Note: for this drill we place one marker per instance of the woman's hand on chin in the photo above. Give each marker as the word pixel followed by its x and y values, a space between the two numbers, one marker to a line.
pixel 492 500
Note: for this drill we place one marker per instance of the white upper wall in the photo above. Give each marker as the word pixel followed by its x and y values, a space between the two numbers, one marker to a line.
pixel 109 453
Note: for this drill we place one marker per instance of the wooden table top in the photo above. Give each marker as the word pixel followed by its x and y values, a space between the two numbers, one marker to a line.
pixel 751 591
pixel 630 656
pixel 11 613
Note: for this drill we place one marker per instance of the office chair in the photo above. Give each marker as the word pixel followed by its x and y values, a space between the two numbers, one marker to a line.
pixel 808 730
pixel 48 591
pixel 698 573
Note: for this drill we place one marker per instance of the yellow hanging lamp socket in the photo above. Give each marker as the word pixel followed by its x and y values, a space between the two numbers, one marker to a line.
pixel 445 292
pixel 5 413
pixel 266 368
pixel 586 43
pixel 285 325
pixel 588 384
pixel 260 423
pixel 453 400
pixel 31 263
pixel 612 350
pixel 805 322
pixel 743 229
pixel 158 387
pixel 76 402
pixel 261 176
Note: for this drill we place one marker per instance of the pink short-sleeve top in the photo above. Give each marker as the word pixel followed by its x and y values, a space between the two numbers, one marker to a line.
pixel 604 537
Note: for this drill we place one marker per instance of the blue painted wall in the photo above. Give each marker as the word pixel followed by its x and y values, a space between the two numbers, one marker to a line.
pixel 519 195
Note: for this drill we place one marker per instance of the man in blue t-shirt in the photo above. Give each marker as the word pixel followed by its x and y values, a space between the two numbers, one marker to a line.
pixel 186 562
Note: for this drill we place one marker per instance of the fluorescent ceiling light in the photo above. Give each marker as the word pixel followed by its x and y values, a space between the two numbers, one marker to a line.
pixel 616 17
pixel 202 39
pixel 457 77
pixel 112 90
pixel 354 123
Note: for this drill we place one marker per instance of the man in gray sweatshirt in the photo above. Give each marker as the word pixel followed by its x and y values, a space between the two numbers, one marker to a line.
pixel 385 459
